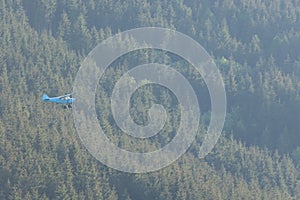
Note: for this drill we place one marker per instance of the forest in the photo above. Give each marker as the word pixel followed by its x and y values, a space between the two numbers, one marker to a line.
pixel 255 45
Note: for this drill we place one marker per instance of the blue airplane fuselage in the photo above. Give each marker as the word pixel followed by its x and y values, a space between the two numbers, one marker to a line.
pixel 61 100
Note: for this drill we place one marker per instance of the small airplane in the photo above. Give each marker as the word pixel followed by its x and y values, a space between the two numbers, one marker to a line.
pixel 66 100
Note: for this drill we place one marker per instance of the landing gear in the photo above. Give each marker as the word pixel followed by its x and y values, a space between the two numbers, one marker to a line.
pixel 67 106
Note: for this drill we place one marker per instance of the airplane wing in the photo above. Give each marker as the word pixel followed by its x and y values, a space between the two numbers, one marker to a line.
pixel 65 96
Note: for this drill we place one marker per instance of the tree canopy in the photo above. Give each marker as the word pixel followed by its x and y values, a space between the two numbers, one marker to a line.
pixel 254 43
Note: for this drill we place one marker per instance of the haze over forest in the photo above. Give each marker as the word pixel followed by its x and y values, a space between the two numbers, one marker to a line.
pixel 255 45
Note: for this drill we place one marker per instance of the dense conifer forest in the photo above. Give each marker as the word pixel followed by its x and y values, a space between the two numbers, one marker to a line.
pixel 254 43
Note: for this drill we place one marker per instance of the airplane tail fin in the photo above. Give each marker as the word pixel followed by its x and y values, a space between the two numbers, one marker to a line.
pixel 45 97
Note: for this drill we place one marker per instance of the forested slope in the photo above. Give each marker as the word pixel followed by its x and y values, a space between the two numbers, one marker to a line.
pixel 256 46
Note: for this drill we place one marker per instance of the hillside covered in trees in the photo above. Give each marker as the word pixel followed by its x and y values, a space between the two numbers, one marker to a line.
pixel 255 45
